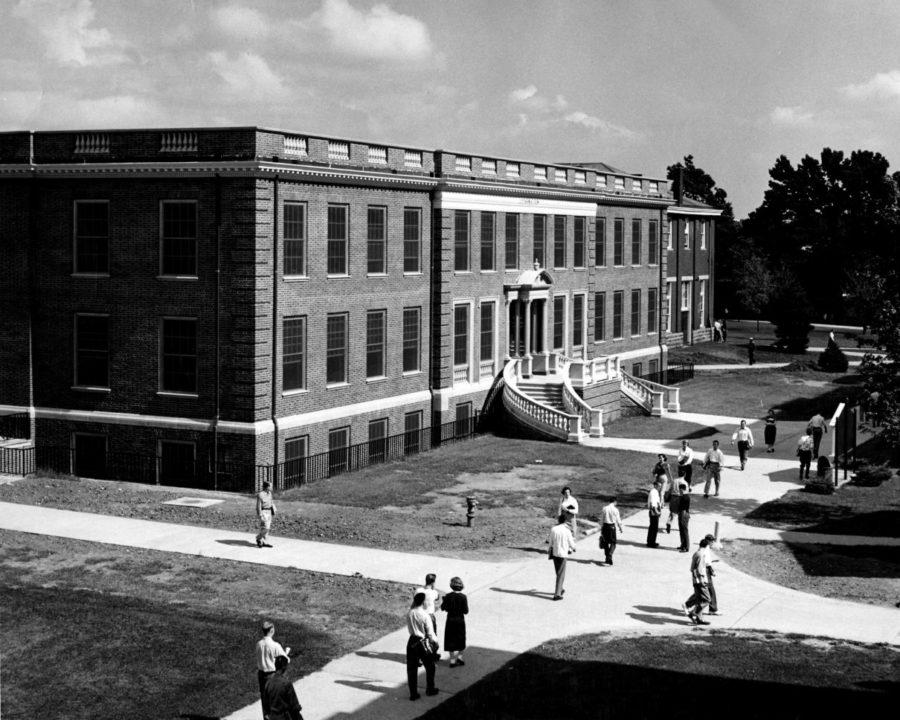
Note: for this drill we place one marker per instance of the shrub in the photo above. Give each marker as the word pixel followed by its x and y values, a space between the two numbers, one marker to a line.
pixel 872 475
pixel 791 312
pixel 823 486
pixel 833 359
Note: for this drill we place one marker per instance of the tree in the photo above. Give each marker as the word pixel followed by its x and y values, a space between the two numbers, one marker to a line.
pixel 754 282
pixel 790 311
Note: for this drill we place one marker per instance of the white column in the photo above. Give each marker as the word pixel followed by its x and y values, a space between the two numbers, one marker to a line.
pixel 528 328
pixel 506 323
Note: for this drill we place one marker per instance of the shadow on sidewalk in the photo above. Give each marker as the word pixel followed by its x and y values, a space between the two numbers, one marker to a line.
pixel 530 593
pixel 392 656
pixel 237 543
pixel 657 620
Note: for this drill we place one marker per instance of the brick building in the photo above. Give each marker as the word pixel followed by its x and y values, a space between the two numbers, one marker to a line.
pixel 213 299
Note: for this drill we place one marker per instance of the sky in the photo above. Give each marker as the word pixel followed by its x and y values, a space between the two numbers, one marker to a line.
pixel 637 84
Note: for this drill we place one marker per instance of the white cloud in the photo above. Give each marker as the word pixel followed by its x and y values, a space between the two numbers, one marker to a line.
pixel 881 86
pixel 792 116
pixel 23 109
pixel 380 33
pixel 522 94
pixel 65 26
pixel 247 75
pixel 591 122
pixel 239 21
pixel 540 112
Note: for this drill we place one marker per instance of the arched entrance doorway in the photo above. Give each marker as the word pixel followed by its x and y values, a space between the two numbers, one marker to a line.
pixel 526 318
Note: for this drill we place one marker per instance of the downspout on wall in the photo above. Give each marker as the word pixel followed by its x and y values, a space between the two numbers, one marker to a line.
pixel 274 395
pixel 218 331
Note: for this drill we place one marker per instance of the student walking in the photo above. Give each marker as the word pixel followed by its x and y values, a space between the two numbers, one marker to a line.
pixel 710 574
pixel 804 453
pixel 456 605
pixel 771 430
pixel 265 511
pixel 422 646
pixel 568 506
pixel 818 427
pixel 743 436
pixel 280 694
pixel 684 518
pixel 431 598
pixel 751 352
pixel 561 544
pixel 685 462
pixel 610 525
pixel 713 462
pixel 695 605
pixel 267 652
pixel 673 498
pixel 654 507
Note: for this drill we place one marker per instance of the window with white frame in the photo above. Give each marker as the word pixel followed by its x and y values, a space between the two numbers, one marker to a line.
pixel 376 326
pixel 703 235
pixel 92 351
pixel 685 294
pixel 559 322
pixel 618 302
pixel 635 312
pixel 178 238
pixel 540 239
pixel 578 321
pixel 670 236
pixel 337 240
pixel 687 235
pixel 670 305
pixel 178 355
pixel 486 344
pixel 488 232
pixel 412 339
pixel 294 230
pixel 460 342
pixel 652 300
pixel 653 242
pixel 336 333
pixel 295 453
pixel 701 304
pixel 461 252
pixel 376 241
pixel 579 241
pixel 599 316
pixel 293 354
pixel 559 241
pixel 600 242
pixel 412 240
pixel 338 150
pixel 511 259
pixel 91 237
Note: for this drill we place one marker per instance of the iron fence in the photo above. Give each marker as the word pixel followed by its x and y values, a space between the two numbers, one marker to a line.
pixel 15 425
pixel 674 374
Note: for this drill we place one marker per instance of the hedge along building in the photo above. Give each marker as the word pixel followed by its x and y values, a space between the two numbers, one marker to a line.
pixel 186 303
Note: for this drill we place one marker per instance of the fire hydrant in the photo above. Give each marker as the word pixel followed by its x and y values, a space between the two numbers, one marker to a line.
pixel 471 502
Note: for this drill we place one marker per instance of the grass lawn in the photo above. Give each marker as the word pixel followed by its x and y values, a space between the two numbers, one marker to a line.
pixel 643 426
pixel 701 674
pixel 94 631
pixel 420 502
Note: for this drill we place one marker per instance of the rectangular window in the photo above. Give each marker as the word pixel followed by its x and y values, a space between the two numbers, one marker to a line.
pixel 540 239
pixel 338 450
pixel 600 242
pixel 512 242
pixel 653 370
pixel 463 420
pixel 669 239
pixel 487 332
pixel 178 255
pixel 686 295
pixel 488 221
pixel 293 361
pixel 579 242
pixel 599 316
pixel 635 312
pixel 670 305
pixel 177 462
pixel 461 241
pixel 412 432
pixel 701 304
pixel 687 235
pixel 92 351
pixel 559 322
pixel 619 242
pixel 378 432
pixel 91 236
pixel 376 241
pixel 653 242
pixel 412 240
pixel 375 343
pixel 336 349
pixel 295 452
pixel 618 297
pixel 703 236
pixel 559 241
pixel 179 355
pixel 577 321
pixel 460 335
pixel 652 301
pixel 411 338
pixel 636 241
pixel 90 455
pixel 637 369
pixel 337 240
pixel 294 238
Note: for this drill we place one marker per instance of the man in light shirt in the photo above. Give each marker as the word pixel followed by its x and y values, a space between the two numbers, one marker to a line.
pixel 654 507
pixel 712 463
pixel 610 523
pixel 818 426
pixel 744 439
pixel 568 506
pixel 804 452
pixel 431 598
pixel 685 458
pixel 694 606
pixel 266 652
pixel 420 629
pixel 561 544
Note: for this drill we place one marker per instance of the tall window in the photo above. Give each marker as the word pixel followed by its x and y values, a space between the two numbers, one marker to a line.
pixel 375 343
pixel 295 451
pixel 670 236
pixel 687 235
pixel 178 355
pixel 579 242
pixel 540 239
pixel 559 241
pixel 701 304
pixel 599 316
pixel 635 312
pixel 703 235
pixel 512 242
pixel 412 240
pixel 618 297
pixel 92 350
pixel 461 241
pixel 686 295
pixel 336 348
pixel 378 432
pixel 294 238
pixel 670 305
pixel 578 321
pixel 652 301
pixel 463 419
pixel 412 432
pixel 653 242
pixel 636 241
pixel 559 322
pixel 91 236
pixel 179 237
pixel 488 222
pixel 486 354
pixel 293 362
pixel 460 335
pixel 600 242
pixel 337 240
pixel 376 241
pixel 338 450
pixel 411 338
pixel 619 242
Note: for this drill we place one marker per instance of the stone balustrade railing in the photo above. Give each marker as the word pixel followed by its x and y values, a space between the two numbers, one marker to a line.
pixel 542 418
pixel 591 419
pixel 649 399
pixel 595 370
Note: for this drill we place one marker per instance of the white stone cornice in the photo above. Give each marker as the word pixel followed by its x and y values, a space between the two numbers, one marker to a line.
pixel 693 212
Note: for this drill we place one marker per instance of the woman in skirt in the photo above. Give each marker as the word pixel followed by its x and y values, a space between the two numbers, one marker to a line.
pixel 456 605
pixel 770 432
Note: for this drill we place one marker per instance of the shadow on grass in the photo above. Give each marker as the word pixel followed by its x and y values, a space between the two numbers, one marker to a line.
pixel 864 561
pixel 803 408
pixel 700 433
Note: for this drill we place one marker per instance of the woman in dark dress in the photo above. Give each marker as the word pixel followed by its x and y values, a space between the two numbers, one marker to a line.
pixel 770 432
pixel 456 605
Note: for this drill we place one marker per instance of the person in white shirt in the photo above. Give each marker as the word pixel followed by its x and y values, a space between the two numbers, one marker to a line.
pixel 713 462
pixel 561 544
pixel 710 574
pixel 431 598
pixel 421 647
pixel 610 522
pixel 744 439
pixel 685 458
pixel 804 452
pixel 818 426
pixel 568 506
pixel 266 652
pixel 695 605
pixel 654 507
